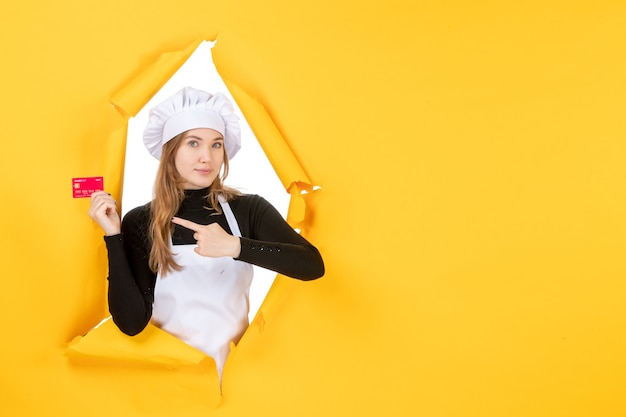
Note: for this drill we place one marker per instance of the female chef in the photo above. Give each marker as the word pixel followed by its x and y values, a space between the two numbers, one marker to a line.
pixel 184 260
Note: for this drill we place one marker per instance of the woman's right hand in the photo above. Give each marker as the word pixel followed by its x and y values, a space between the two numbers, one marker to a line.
pixel 103 211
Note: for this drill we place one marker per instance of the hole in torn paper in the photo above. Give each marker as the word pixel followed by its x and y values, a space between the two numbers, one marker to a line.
pixel 250 171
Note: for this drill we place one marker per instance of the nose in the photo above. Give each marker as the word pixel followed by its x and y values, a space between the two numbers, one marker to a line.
pixel 205 154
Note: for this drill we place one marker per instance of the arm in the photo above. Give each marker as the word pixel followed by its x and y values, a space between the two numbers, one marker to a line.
pixel 270 242
pixel 131 282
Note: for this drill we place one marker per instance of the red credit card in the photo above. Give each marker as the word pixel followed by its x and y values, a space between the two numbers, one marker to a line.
pixel 84 187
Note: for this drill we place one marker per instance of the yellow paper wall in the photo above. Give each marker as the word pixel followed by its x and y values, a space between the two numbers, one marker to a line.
pixel 471 215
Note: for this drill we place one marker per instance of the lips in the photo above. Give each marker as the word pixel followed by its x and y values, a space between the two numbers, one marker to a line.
pixel 204 171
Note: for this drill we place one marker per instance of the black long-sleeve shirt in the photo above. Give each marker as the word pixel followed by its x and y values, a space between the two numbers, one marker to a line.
pixel 267 241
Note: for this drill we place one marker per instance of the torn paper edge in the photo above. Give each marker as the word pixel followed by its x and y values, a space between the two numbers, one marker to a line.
pixel 133 97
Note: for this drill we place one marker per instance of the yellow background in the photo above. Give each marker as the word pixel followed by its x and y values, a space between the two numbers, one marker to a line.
pixel 471 215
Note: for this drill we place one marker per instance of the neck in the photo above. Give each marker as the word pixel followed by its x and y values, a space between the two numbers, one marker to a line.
pixel 196 199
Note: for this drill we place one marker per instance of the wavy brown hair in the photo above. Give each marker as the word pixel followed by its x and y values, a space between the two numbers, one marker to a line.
pixel 169 194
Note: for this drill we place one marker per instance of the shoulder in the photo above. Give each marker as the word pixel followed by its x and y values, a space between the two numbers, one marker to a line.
pixel 256 211
pixel 249 202
pixel 137 218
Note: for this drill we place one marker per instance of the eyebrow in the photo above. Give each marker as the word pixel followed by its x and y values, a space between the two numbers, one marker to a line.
pixel 199 138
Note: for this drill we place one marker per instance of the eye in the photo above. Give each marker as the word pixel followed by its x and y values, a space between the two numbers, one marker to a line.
pixel 217 145
pixel 193 143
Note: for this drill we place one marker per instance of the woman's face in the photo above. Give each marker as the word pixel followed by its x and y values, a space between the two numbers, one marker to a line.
pixel 199 157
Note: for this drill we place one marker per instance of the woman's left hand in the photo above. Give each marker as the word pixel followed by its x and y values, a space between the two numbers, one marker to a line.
pixel 213 241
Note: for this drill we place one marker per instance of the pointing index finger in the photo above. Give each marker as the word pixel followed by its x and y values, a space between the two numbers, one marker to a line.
pixel 188 224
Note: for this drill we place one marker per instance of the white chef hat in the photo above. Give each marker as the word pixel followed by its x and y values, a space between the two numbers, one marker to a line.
pixel 192 109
